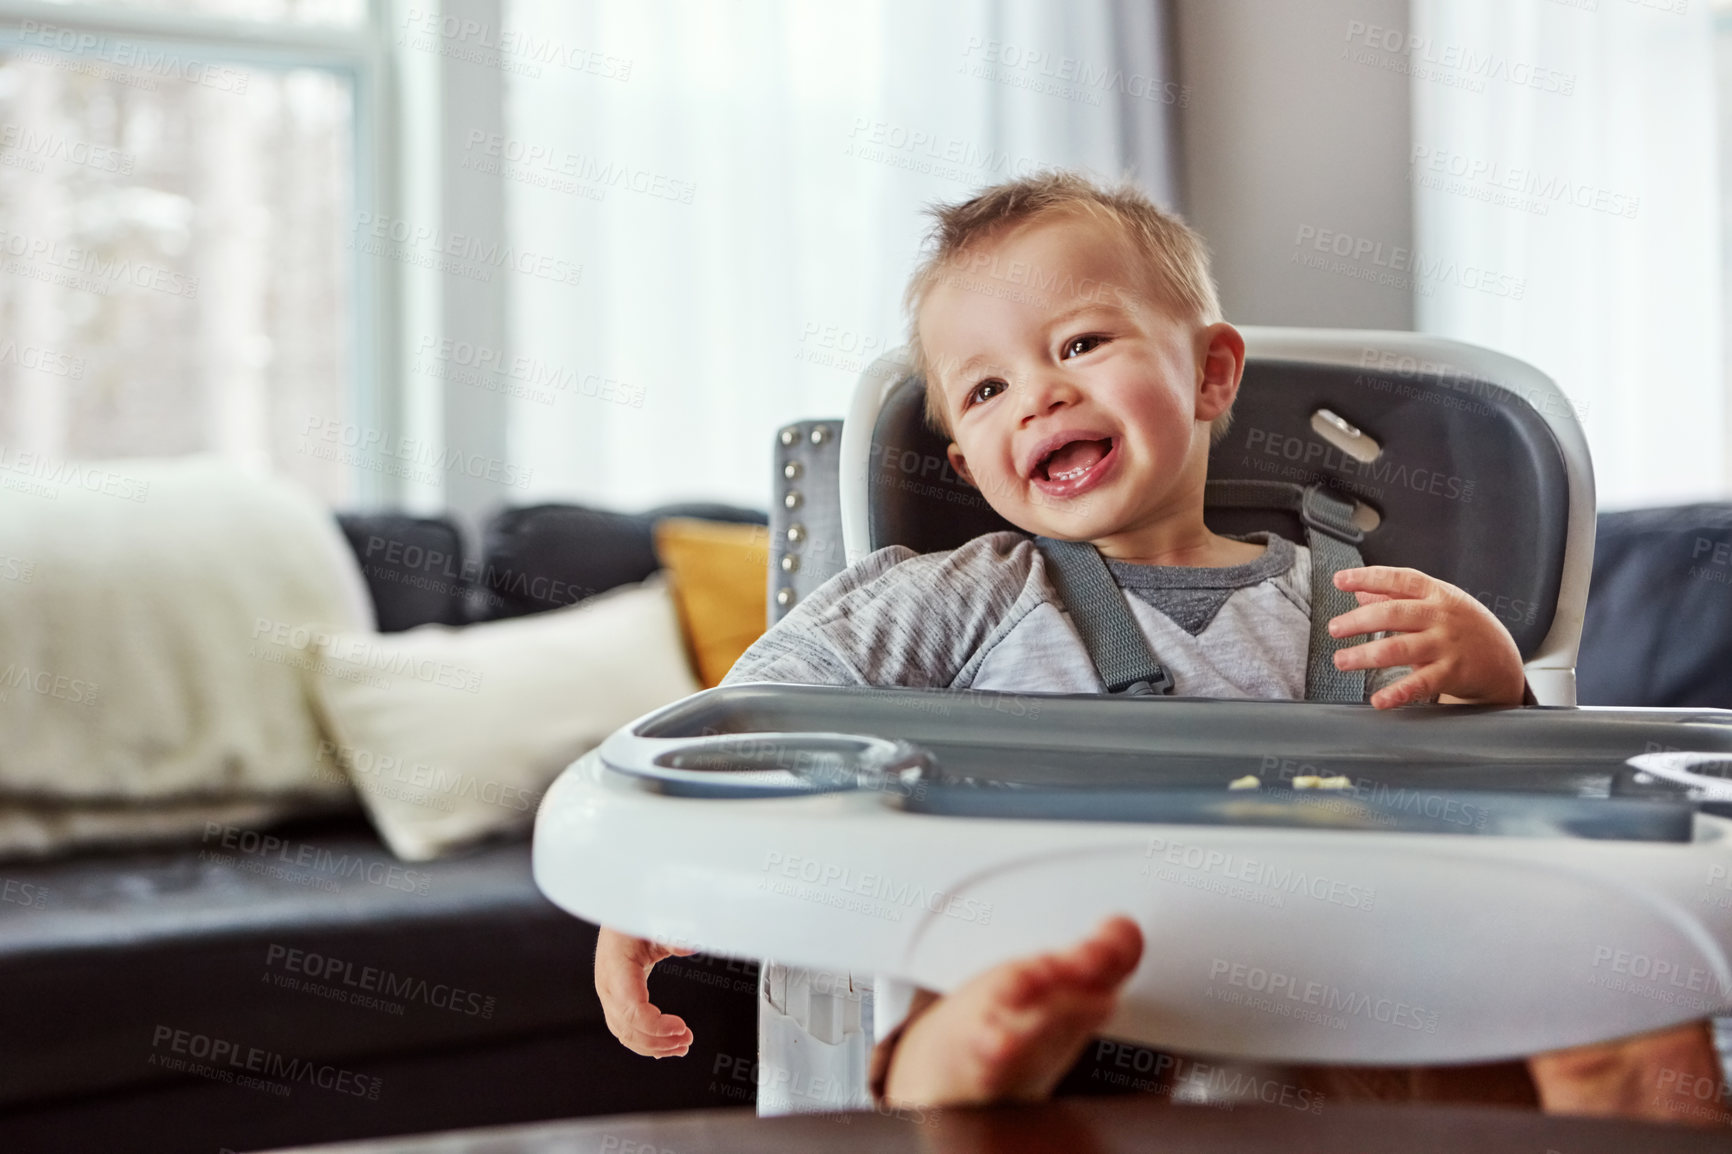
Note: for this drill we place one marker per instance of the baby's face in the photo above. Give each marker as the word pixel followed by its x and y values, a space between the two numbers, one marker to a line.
pixel 1079 409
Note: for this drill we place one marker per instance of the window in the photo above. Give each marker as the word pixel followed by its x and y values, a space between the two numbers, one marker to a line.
pixel 1567 211
pixel 176 269
pixel 590 235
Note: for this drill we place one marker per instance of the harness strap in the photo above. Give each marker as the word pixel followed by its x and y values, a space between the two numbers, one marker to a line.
pixel 1333 540
pixel 1116 644
pixel 1103 619
pixel 1329 556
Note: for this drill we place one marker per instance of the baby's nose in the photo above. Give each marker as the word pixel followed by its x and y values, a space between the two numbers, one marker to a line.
pixel 1048 391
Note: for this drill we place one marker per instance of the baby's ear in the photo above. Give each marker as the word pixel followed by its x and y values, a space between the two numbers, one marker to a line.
pixel 1220 364
pixel 960 464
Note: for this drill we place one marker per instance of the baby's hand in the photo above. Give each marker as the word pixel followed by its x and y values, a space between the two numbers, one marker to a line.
pixel 1457 649
pixel 622 966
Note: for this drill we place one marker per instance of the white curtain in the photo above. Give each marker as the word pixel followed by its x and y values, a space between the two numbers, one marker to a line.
pixel 1570 150
pixel 809 137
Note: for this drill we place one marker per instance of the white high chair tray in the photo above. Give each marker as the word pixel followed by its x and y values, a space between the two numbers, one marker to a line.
pixel 1493 883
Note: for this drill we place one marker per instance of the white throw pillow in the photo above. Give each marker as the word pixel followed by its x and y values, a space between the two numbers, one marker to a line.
pixel 452 734
pixel 148 618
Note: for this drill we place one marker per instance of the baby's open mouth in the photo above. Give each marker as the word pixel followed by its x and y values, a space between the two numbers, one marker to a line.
pixel 1072 462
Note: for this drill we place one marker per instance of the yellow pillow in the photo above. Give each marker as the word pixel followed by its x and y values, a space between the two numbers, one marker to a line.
pixel 720 572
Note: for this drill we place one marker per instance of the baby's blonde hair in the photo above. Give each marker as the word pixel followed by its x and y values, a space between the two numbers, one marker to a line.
pixel 1172 255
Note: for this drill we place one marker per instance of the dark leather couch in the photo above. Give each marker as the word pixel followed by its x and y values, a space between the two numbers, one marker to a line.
pixel 120 972
pixel 145 996
pixel 1659 623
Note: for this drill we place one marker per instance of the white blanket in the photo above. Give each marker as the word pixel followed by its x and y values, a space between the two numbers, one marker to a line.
pixel 154 620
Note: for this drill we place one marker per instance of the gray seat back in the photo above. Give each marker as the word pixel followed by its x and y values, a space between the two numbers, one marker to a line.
pixel 1480 474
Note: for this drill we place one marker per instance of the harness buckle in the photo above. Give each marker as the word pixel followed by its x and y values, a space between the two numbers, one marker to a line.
pixel 1160 685
pixel 1328 513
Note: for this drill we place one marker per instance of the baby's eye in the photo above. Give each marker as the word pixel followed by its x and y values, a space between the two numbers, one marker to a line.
pixel 1077 346
pixel 979 393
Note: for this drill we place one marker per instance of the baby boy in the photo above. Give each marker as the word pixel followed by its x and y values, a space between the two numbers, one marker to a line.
pixel 1075 355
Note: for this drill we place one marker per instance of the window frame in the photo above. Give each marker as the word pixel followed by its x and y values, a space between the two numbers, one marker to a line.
pixel 361 53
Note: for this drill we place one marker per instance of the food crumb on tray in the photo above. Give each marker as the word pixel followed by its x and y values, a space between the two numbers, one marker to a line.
pixel 1249 781
pixel 1311 781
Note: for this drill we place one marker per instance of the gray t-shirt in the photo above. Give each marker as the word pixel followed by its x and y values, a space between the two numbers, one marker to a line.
pixel 986 616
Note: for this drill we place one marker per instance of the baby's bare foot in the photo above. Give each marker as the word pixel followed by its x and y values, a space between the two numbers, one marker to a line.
pixel 1667 1075
pixel 1011 1033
